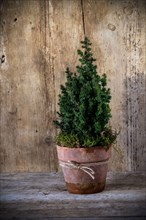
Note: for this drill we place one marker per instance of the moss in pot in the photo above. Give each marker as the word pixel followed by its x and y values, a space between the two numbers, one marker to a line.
pixel 85 137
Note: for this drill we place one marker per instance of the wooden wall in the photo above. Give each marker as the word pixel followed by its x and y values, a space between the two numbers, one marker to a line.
pixel 38 38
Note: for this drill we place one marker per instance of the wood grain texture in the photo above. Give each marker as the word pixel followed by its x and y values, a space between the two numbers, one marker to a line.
pixel 38 39
pixel 118 33
pixel 27 103
pixel 42 195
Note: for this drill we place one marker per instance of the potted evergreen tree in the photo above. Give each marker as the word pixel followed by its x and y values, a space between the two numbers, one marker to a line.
pixel 85 137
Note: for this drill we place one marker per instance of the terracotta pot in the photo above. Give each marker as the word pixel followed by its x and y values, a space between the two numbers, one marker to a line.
pixel 84 169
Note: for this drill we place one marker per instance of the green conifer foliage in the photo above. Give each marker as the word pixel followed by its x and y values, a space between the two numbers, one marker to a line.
pixel 84 110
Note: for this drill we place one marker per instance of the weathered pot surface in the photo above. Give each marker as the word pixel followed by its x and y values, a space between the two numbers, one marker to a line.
pixel 84 169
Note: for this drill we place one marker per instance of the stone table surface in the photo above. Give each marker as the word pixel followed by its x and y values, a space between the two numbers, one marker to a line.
pixel 44 196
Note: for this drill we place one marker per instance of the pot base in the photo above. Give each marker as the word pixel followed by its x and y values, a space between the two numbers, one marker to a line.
pixel 88 188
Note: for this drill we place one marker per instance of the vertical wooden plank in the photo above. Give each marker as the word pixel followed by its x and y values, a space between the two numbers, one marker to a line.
pixel 48 157
pixel 66 32
pixel 9 89
pixel 102 28
pixel 135 84
pixel 117 30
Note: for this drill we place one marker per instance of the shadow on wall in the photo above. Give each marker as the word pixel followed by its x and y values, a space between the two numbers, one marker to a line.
pixel 135 121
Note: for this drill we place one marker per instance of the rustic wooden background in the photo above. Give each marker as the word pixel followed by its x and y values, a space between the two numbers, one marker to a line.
pixel 38 38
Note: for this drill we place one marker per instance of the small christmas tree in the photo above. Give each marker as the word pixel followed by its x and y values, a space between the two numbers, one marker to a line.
pixel 84 110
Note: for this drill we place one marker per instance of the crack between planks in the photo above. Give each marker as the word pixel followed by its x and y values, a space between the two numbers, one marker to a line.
pixel 45 52
pixel 83 18
pixel 53 166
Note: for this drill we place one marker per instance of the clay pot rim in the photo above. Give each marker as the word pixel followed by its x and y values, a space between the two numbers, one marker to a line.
pixel 84 148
